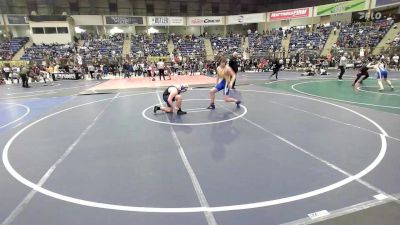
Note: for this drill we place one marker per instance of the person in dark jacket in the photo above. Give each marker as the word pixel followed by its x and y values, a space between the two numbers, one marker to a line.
pixel 24 76
pixel 363 73
pixel 234 64
pixel 276 67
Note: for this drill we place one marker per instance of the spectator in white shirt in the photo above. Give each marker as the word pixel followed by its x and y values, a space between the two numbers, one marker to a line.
pixel 161 68
pixel 396 61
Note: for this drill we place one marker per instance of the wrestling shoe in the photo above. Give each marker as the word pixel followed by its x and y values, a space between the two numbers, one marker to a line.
pixel 238 104
pixel 212 106
pixel 180 112
pixel 156 108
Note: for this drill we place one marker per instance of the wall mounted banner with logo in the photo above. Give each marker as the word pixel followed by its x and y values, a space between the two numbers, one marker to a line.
pixel 17 19
pixel 132 20
pixel 289 14
pixel 246 18
pixel 375 15
pixel 363 15
pixel 206 21
pixel 341 7
pixel 385 2
pixel 165 21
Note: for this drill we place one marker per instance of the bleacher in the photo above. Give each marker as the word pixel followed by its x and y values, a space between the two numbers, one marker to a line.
pixel 51 51
pixel 261 44
pixel 226 46
pixel 358 35
pixel 303 39
pixel 102 47
pixel 9 48
pixel 396 41
pixel 137 43
pixel 157 45
pixel 190 45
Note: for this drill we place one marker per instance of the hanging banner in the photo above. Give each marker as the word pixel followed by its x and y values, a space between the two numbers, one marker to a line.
pixel 165 21
pixel 386 2
pixel 17 19
pixel 289 14
pixel 246 18
pixel 363 15
pixel 376 15
pixel 131 20
pixel 341 7
pixel 1 20
pixel 206 21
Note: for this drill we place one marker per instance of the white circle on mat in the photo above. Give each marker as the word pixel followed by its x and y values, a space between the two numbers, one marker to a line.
pixel 193 124
pixel 253 205
pixel 377 91
pixel 293 87
pixel 27 111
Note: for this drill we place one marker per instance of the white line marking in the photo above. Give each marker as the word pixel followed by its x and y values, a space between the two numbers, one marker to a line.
pixel 377 92
pixel 197 111
pixel 54 89
pixel 381 197
pixel 331 119
pixel 192 124
pixel 343 211
pixel 30 92
pixel 260 204
pixel 196 184
pixel 335 99
pixel 23 204
pixel 327 163
pixel 28 110
pixel 319 214
pixel 17 125
pixel 25 96
pixel 323 161
pixel 304 78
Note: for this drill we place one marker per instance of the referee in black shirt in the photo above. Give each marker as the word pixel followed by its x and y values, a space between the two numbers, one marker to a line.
pixel 234 64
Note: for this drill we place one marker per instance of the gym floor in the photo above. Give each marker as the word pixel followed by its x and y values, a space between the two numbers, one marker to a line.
pixel 300 150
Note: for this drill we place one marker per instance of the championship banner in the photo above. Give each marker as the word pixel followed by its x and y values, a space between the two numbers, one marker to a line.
pixel 386 2
pixel 341 7
pixel 206 21
pixel 17 19
pixel 165 21
pixel 131 20
pixel 246 18
pixel 289 14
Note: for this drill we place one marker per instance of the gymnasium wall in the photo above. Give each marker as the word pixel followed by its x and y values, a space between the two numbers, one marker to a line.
pixel 305 21
pixel 272 25
pixel 88 19
pixel 344 18
pixel 60 38
pixel 20 31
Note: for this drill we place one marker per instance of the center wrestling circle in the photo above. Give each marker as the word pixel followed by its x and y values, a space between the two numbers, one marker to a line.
pixel 235 112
